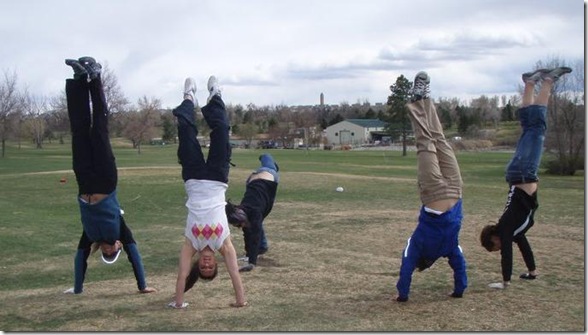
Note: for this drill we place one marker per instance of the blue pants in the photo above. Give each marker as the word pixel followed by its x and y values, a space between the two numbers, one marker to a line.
pixel 525 162
pixel 268 164
pixel 194 166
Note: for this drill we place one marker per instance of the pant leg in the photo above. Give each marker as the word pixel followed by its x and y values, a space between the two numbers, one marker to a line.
pixel 268 164
pixel 524 164
pixel 106 176
pixel 78 108
pixel 219 154
pixel 263 245
pixel 437 170
pixel 445 154
pixel 189 150
pixel 526 251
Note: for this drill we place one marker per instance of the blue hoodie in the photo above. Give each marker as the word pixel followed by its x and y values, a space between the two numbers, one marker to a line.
pixel 435 236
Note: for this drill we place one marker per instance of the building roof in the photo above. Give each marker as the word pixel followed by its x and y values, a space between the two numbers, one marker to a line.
pixel 368 123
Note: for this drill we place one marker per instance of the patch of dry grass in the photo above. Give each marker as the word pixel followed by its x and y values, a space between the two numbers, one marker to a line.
pixel 332 266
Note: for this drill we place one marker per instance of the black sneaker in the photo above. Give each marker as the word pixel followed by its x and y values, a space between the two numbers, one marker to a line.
pixel 79 70
pixel 527 276
pixel 92 67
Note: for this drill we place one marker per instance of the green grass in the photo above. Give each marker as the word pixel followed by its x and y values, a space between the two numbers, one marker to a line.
pixel 334 257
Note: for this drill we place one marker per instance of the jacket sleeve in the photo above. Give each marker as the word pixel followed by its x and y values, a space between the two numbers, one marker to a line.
pixel 458 264
pixel 135 258
pixel 506 240
pixel 410 255
pixel 133 255
pixel 81 262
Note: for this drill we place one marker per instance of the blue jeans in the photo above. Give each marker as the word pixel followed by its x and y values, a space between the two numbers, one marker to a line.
pixel 194 166
pixel 268 164
pixel 525 162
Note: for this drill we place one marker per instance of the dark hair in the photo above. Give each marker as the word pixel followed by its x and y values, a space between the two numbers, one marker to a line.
pixel 236 215
pixel 195 274
pixel 486 237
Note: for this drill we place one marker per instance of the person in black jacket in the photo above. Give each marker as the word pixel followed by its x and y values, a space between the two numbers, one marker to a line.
pixel 96 175
pixel 521 175
pixel 257 203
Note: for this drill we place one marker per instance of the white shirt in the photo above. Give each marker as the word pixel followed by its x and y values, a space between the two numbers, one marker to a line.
pixel 207 223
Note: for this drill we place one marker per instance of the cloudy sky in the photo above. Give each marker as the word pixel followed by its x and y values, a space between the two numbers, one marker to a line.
pixel 270 52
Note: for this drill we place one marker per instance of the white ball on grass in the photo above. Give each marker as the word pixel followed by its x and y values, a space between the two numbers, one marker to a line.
pixel 339 189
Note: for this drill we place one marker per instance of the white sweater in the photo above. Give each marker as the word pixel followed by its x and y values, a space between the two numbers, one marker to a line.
pixel 207 223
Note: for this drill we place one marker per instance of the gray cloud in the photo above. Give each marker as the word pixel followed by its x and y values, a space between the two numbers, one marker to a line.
pixel 271 52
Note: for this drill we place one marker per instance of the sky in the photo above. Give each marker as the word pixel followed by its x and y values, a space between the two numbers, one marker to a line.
pixel 288 52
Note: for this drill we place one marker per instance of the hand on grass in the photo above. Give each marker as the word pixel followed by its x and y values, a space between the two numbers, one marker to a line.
pixel 499 285
pixel 173 305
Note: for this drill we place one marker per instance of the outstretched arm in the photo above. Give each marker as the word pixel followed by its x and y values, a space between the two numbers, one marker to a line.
pixel 134 257
pixel 460 278
pixel 230 256
pixel 81 263
pixel 186 255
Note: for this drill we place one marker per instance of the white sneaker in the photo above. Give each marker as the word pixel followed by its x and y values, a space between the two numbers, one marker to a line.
pixel 554 74
pixel 213 88
pixel 190 88
pixel 420 89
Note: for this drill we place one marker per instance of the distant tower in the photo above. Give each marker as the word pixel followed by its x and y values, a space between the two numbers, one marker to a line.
pixel 322 99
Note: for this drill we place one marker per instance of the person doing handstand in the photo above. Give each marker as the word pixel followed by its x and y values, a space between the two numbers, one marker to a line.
pixel 94 166
pixel 206 182
pixel 256 205
pixel 440 186
pixel 521 175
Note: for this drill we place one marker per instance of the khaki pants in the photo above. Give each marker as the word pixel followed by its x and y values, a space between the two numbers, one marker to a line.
pixel 438 172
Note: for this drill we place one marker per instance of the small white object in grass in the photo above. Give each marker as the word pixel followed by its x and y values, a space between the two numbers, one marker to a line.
pixel 339 189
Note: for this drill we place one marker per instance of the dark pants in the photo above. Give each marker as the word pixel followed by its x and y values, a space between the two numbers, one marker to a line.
pixel 194 166
pixel 526 251
pixel 93 160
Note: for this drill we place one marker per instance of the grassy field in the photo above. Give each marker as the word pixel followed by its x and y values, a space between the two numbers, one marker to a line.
pixel 334 257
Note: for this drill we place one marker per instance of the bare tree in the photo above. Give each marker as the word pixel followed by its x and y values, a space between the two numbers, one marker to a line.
pixel 59 119
pixel 142 125
pixel 566 121
pixel 487 109
pixel 8 106
pixel 118 104
pixel 248 132
pixel 34 109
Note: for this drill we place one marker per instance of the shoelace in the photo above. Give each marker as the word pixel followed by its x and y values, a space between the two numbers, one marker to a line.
pixel 421 87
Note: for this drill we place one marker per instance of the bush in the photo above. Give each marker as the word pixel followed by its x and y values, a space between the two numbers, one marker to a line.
pixel 471 145
pixel 563 167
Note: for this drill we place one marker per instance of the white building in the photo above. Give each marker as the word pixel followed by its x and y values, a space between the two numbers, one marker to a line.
pixel 353 131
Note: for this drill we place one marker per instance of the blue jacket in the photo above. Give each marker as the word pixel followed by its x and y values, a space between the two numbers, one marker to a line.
pixel 101 220
pixel 435 236
pixel 129 246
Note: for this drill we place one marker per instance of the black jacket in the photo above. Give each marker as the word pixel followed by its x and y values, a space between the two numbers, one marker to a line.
pixel 517 219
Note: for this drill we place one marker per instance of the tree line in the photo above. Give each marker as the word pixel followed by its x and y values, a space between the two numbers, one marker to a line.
pixel 35 119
